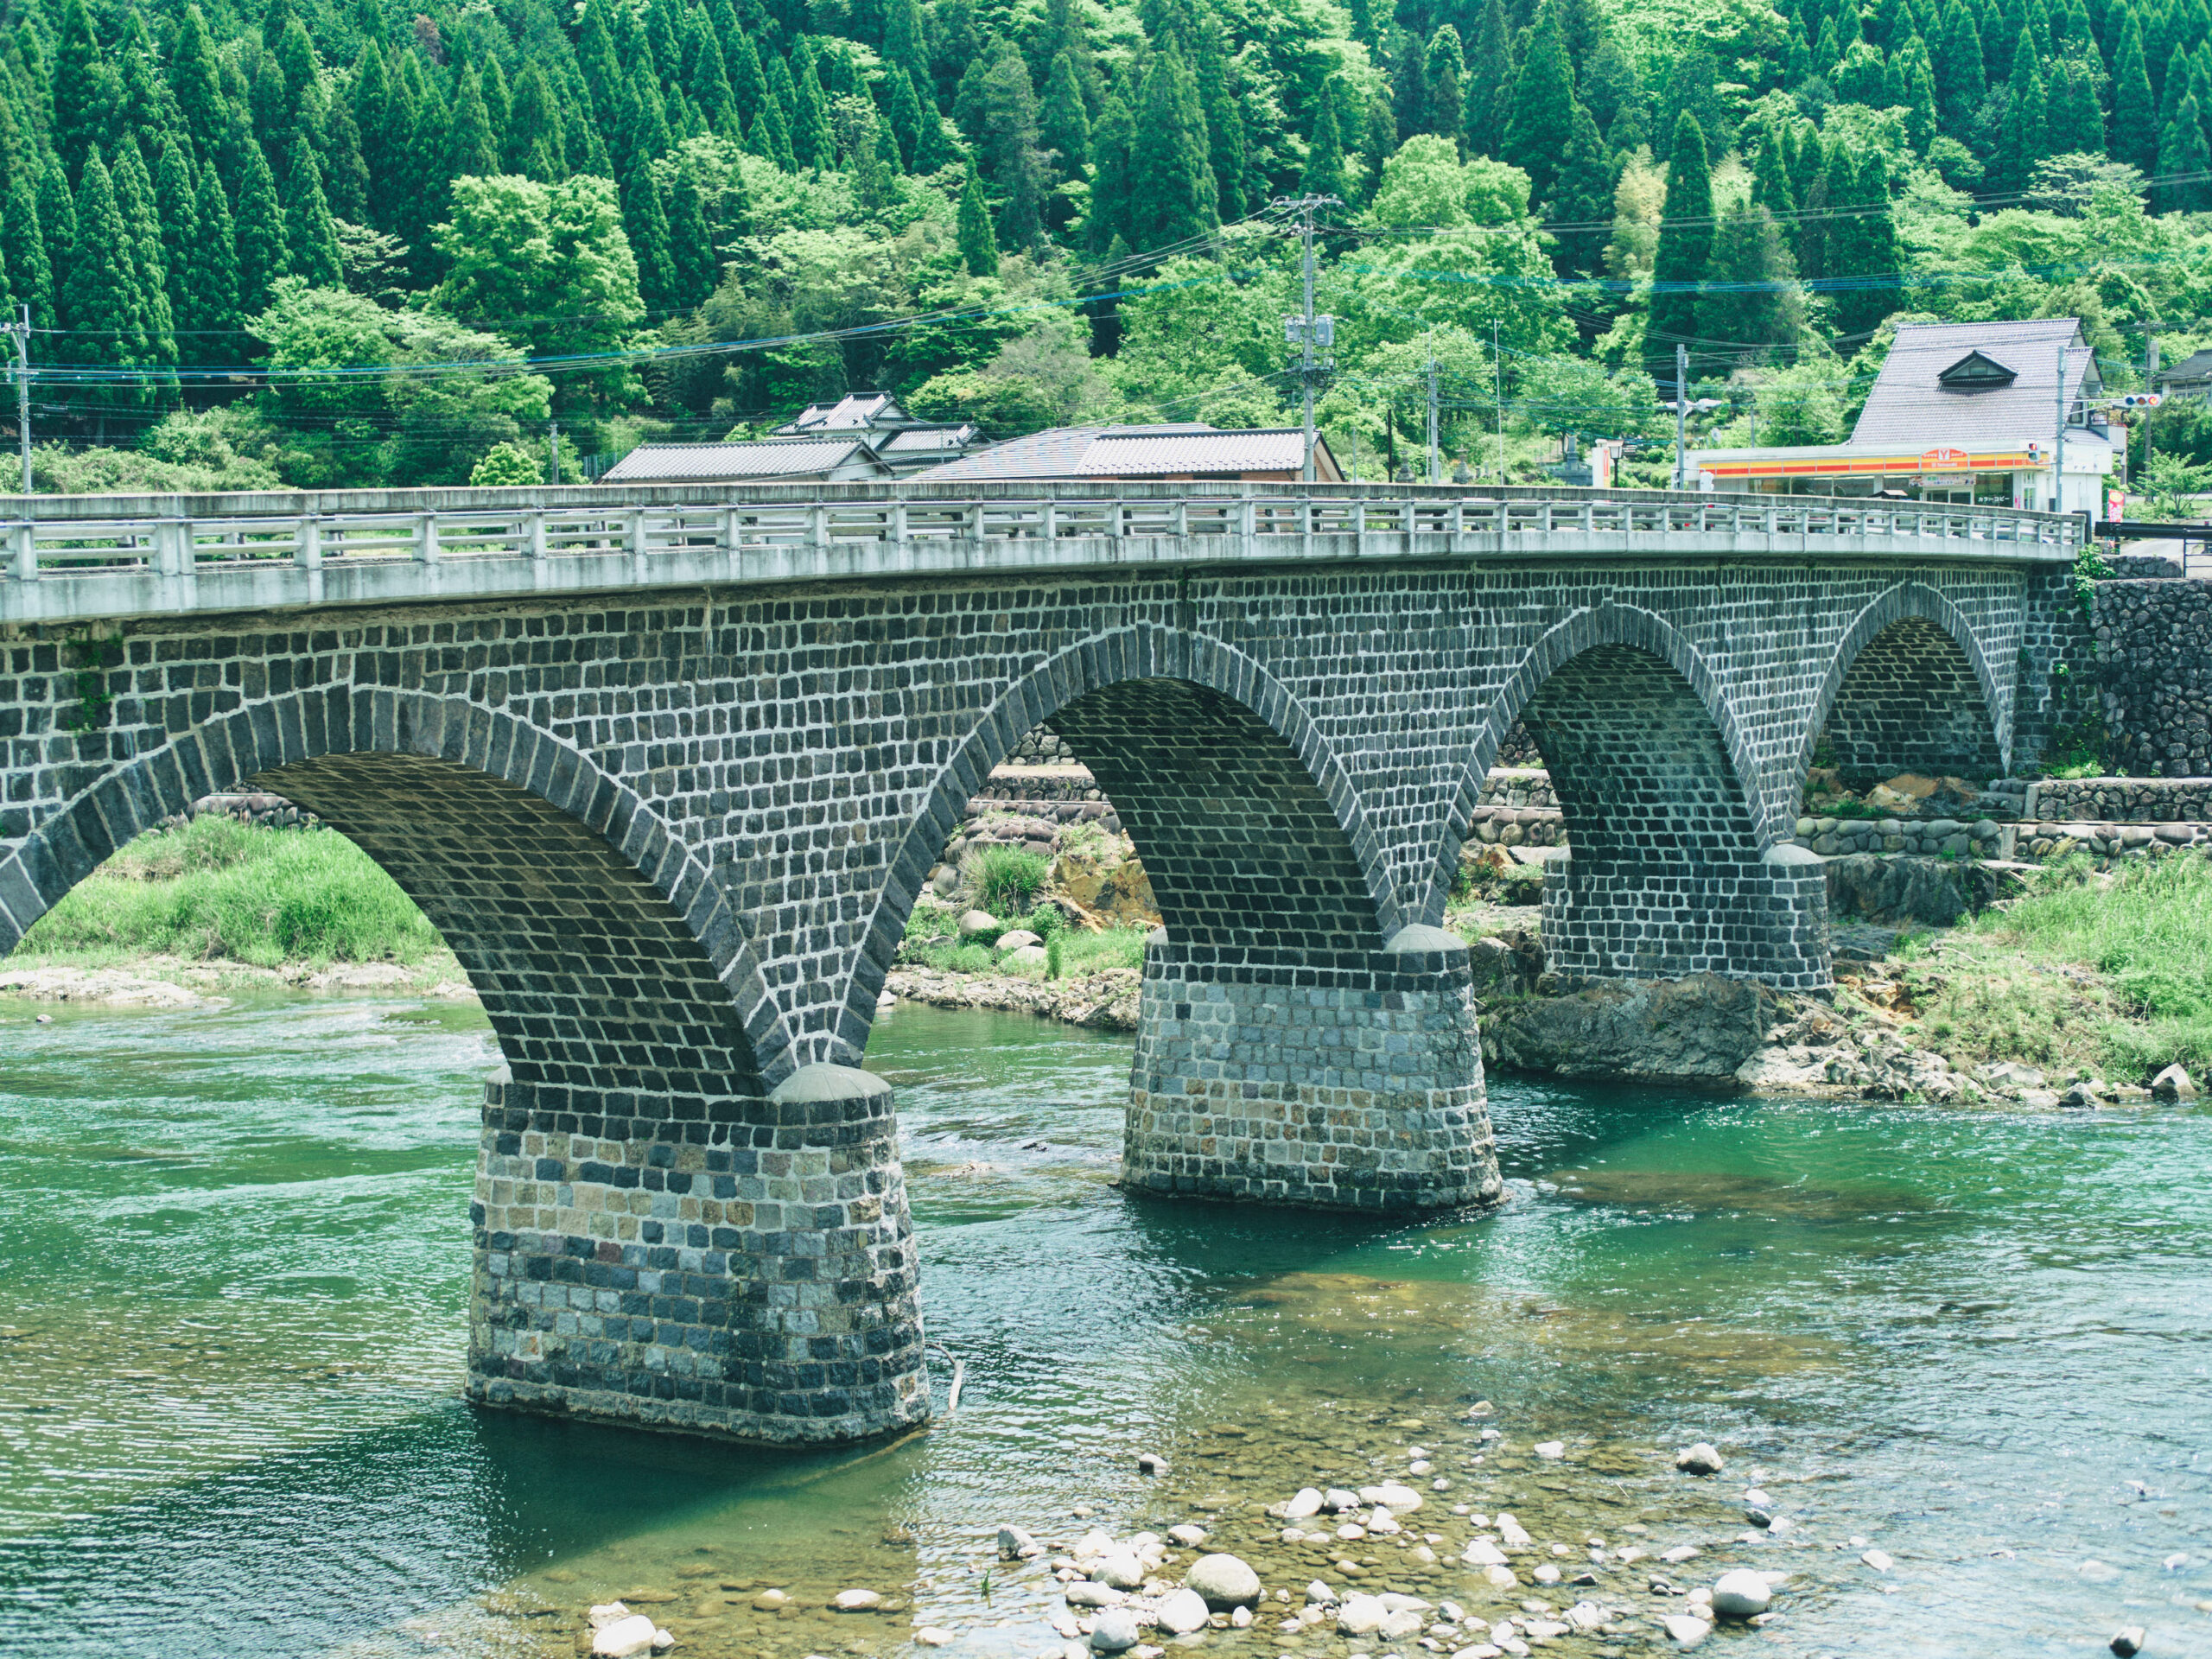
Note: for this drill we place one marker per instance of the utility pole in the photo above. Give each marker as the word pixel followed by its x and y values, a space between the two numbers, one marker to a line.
pixel 1435 461
pixel 1307 330
pixel 1682 410
pixel 2150 384
pixel 553 437
pixel 20 330
pixel 2058 460
pixel 1497 396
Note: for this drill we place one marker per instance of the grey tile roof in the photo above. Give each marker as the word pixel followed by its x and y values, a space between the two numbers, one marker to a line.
pixel 1054 454
pixel 924 439
pixel 1119 451
pixel 1909 407
pixel 854 411
pixel 733 463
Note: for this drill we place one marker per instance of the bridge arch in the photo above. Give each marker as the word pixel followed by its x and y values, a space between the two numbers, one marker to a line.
pixel 1672 865
pixel 1220 777
pixel 1909 689
pixel 510 841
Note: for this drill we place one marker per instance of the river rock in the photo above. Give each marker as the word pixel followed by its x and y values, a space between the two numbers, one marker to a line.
pixel 1878 1560
pixel 2081 1098
pixel 1511 1533
pixel 1699 1459
pixel 1016 938
pixel 1224 1580
pixel 978 924
pixel 1181 1612
pixel 857 1601
pixel 1029 955
pixel 1553 1449
pixel 2009 1074
pixel 1695 1030
pixel 1399 1500
pixel 1151 1463
pixel 1114 1631
pixel 768 1600
pixel 1740 1594
pixel 1400 1625
pixel 1360 1615
pixel 623 1638
pixel 2172 1083
pixel 1121 1570
pixel 1338 1501
pixel 1088 1592
pixel 2129 1642
pixel 1015 1545
pixel 933 1635
pixel 1188 1535
pixel 1483 1553
pixel 1306 1502
pixel 1687 1632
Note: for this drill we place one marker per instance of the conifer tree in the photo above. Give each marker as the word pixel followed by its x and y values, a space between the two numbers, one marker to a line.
pixel 1113 142
pixel 23 245
pixel 2134 110
pixel 381 148
pixel 469 149
pixel 1831 191
pixel 296 59
pixel 1008 144
pixel 82 90
pixel 691 246
pixel 2183 158
pixel 748 87
pixel 310 239
pixel 1771 186
pixel 1490 81
pixel 2076 122
pixel 905 43
pixel 1063 123
pixel 1583 196
pixel 2178 71
pixel 534 127
pixel 602 71
pixel 1543 110
pixel 198 86
pixel 176 208
pixel 214 266
pixel 1324 154
pixel 1444 91
pixel 1685 240
pixel 57 220
pixel 345 176
pixel 646 223
pixel 811 145
pixel 709 83
pixel 134 201
pixel 1226 149
pixel 262 252
pixel 2021 145
pixel 1863 252
pixel 1173 193
pixel 103 305
pixel 428 185
pixel 1752 302
pixel 978 247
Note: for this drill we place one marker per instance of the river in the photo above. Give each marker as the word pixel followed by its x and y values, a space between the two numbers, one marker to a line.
pixel 234 1269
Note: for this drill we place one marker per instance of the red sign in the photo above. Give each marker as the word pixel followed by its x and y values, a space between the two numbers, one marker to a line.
pixel 1942 461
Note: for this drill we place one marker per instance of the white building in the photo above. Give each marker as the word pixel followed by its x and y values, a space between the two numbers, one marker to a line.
pixel 1961 412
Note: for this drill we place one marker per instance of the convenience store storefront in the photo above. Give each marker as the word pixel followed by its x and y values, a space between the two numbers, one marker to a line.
pixel 2013 476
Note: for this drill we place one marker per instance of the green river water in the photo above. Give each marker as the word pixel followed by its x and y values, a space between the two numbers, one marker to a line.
pixel 233 1276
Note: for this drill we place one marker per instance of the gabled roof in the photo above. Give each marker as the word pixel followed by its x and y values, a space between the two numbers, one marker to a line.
pixel 1910 405
pixel 1140 452
pixel 2197 366
pixel 1977 370
pixel 924 440
pixel 737 463
pixel 856 411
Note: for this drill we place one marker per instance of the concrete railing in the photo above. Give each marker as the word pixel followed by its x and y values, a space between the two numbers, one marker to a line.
pixel 72 558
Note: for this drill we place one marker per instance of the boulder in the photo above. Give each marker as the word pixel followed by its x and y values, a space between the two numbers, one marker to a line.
pixel 1936 891
pixel 1181 1612
pixel 1695 1030
pixel 1108 883
pixel 978 924
pixel 857 1601
pixel 1088 1593
pixel 1391 1496
pixel 1699 1459
pixel 1029 955
pixel 1015 938
pixel 1224 1580
pixel 2172 1083
pixel 623 1638
pixel 1123 1570
pixel 1114 1632
pixel 1741 1594
pixel 1015 1545
pixel 1360 1615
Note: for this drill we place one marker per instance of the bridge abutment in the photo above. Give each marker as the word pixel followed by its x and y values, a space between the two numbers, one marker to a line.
pixel 1764 919
pixel 741 1266
pixel 1332 1079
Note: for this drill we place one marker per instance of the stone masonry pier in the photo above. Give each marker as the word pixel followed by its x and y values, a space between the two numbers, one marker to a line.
pixel 670 766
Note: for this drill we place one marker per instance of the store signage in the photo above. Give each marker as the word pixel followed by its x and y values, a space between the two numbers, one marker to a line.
pixel 1943 460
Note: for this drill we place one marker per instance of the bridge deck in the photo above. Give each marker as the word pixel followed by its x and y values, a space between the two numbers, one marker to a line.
pixel 85 558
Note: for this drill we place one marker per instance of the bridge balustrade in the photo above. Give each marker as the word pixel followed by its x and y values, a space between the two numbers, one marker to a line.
pixel 53 541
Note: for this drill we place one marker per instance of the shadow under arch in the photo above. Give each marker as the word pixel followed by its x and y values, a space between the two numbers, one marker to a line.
pixel 1251 834
pixel 605 956
pixel 1909 690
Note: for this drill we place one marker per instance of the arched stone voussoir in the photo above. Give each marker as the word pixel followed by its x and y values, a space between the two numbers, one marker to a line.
pixel 1910 602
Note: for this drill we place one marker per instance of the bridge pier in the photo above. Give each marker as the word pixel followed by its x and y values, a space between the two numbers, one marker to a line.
pixel 1763 918
pixel 1332 1079
pixel 742 1268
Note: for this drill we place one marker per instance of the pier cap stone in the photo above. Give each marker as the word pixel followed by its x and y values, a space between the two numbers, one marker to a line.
pixel 1419 937
pixel 822 1081
pixel 1788 853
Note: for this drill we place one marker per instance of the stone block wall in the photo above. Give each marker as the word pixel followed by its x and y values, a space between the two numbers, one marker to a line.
pixel 2120 800
pixel 1764 920
pixel 739 1268
pixel 1347 1080
pixel 2153 671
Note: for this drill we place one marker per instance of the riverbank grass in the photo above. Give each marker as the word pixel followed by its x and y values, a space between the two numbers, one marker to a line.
pixel 933 940
pixel 216 891
pixel 2108 974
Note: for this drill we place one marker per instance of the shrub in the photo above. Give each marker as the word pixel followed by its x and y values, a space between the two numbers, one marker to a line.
pixel 1007 880
pixel 506 464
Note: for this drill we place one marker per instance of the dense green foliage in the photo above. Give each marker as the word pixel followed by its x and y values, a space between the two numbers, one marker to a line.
pixel 217 890
pixel 335 241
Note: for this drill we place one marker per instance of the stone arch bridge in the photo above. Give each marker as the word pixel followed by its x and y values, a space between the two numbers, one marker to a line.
pixel 669 767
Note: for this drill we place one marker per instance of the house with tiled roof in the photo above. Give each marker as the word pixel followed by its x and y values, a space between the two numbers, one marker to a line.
pixel 844 459
pixel 1184 452
pixel 908 445
pixel 1961 412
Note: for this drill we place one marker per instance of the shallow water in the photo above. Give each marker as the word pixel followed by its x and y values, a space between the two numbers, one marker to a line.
pixel 233 1269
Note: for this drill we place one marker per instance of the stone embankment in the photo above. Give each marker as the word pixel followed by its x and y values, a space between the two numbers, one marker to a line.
pixel 1106 1001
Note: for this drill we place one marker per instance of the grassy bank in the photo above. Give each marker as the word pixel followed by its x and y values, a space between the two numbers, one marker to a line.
pixel 933 940
pixel 2108 974
pixel 218 891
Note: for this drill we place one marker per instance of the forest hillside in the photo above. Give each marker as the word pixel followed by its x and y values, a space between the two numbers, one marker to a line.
pixel 321 242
